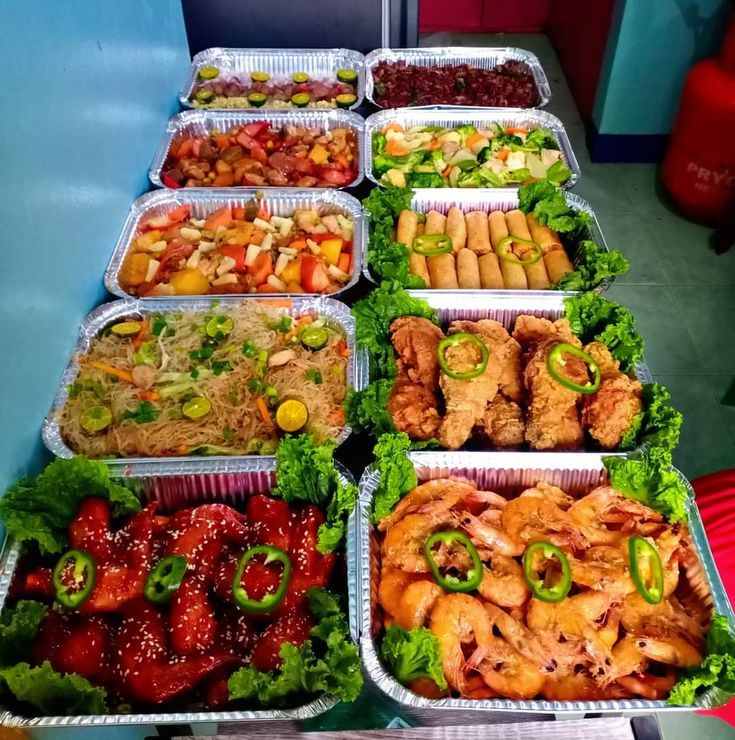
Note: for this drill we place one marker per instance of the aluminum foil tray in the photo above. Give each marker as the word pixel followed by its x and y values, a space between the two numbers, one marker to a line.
pixel 455 116
pixel 442 199
pixel 177 485
pixel 506 473
pixel 278 202
pixel 477 56
pixel 201 122
pixel 278 63
pixel 109 313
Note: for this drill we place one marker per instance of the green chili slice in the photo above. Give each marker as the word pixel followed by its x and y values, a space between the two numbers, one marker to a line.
pixel 540 587
pixel 73 578
pixel 460 338
pixel 164 579
pixel 448 582
pixel 646 569
pixel 508 256
pixel 556 358
pixel 432 245
pixel 269 601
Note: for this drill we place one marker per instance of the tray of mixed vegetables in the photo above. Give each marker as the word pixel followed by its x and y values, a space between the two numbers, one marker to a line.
pixel 274 79
pixel 191 243
pixel 467 148
pixel 222 149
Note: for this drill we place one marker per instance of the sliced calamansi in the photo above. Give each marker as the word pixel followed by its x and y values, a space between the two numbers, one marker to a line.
pixel 208 73
pixel 197 407
pixel 126 328
pixel 95 418
pixel 219 326
pixel 291 415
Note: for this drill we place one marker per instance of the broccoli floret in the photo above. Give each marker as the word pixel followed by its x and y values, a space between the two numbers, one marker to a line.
pixel 425 180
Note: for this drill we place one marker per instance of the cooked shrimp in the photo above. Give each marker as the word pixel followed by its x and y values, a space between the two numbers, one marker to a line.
pixel 416 604
pixel 404 542
pixel 484 534
pixel 476 688
pixel 527 518
pixel 550 493
pixel 578 687
pixel 603 568
pixel 506 671
pixel 457 620
pixel 503 582
pixel 489 498
pixel 649 686
pixel 521 639
pixel 627 659
pixel 393 583
pixel 670 649
pixel 449 491
pixel 639 617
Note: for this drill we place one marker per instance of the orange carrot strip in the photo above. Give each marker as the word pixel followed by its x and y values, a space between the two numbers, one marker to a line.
pixel 502 155
pixel 142 335
pixel 260 403
pixel 110 370
pixel 149 395
pixel 278 302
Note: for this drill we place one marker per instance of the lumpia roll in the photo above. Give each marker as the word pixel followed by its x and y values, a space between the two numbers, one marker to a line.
pixel 406 229
pixel 456 228
pixel 514 276
pixel 536 272
pixel 556 260
pixel 490 275
pixel 557 264
pixel 468 269
pixel 442 271
pixel 478 233
pixel 545 237
pixel 435 223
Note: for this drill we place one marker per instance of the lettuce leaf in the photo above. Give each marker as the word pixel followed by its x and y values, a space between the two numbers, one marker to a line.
pixel 305 472
pixel 53 693
pixel 397 474
pixel 375 314
pixel 550 208
pixel 593 317
pixel 658 425
pixel 649 478
pixel 18 630
pixel 328 663
pixel 593 265
pixel 39 509
pixel 717 669
pixel 367 410
pixel 413 654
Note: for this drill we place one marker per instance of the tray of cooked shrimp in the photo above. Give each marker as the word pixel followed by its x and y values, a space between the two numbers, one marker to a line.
pixel 538 583
pixel 541 373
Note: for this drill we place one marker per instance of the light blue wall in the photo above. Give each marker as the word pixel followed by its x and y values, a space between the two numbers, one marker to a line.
pixel 652 45
pixel 86 89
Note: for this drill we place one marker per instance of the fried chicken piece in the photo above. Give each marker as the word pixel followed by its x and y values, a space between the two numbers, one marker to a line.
pixel 413 409
pixel 608 414
pixel 466 400
pixel 503 423
pixel 530 331
pixel 553 418
pixel 416 341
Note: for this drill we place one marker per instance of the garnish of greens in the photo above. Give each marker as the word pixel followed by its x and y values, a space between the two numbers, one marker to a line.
pixel 413 654
pixel 328 662
pixel 305 473
pixel 397 474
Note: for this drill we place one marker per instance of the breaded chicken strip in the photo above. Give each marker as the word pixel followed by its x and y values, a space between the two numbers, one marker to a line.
pixel 416 340
pixel 413 409
pixel 503 423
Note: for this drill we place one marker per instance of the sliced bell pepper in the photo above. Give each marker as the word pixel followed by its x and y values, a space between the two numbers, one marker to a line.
pixel 646 569
pixel 452 583
pixel 540 587
pixel 261 268
pixel 556 358
pixel 330 250
pixel 314 277
pixel 221 217
pixel 271 600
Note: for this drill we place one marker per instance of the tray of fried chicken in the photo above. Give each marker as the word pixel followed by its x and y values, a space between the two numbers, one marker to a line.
pixel 536 373
pixel 537 583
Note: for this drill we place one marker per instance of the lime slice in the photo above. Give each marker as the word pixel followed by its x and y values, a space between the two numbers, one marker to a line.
pixel 301 100
pixel 345 100
pixel 204 96
pixel 292 415
pixel 208 73
pixel 300 78
pixel 197 407
pixel 219 326
pixel 126 328
pixel 257 99
pixel 259 76
pixel 347 75
pixel 95 419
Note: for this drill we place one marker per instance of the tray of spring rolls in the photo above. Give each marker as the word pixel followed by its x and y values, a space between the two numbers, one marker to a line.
pixel 540 583
pixel 462 76
pixel 190 377
pixel 532 239
pixel 467 148
pixel 497 373
pixel 183 592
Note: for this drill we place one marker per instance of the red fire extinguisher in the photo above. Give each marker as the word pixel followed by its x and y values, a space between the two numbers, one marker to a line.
pixel 699 166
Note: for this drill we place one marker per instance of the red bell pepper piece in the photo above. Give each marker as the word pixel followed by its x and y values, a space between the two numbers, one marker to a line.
pixel 192 624
pixel 146 673
pixel 236 253
pixel 293 628
pixel 270 520
pixel 168 181
pixel 314 276
pixel 261 268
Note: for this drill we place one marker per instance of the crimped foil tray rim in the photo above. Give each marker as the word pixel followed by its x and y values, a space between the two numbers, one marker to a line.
pixel 241 117
pixel 488 196
pixel 448 55
pixel 156 198
pixel 107 312
pixel 9 561
pixel 214 52
pixel 557 462
pixel 428 115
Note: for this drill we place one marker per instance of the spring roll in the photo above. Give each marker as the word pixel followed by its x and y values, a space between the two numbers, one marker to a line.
pixel 435 223
pixel 535 273
pixel 406 232
pixel 514 276
pixel 420 230
pixel 556 261
pixel 443 272
pixel 468 269
pixel 490 275
pixel 478 233
pixel 456 228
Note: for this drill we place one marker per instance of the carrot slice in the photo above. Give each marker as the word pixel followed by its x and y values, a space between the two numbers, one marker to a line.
pixel 472 139
pixel 502 155
pixel 515 130
pixel 221 217
pixel 149 395
pixel 110 370
pixel 260 403
pixel 396 147
pixel 142 335
pixel 393 127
